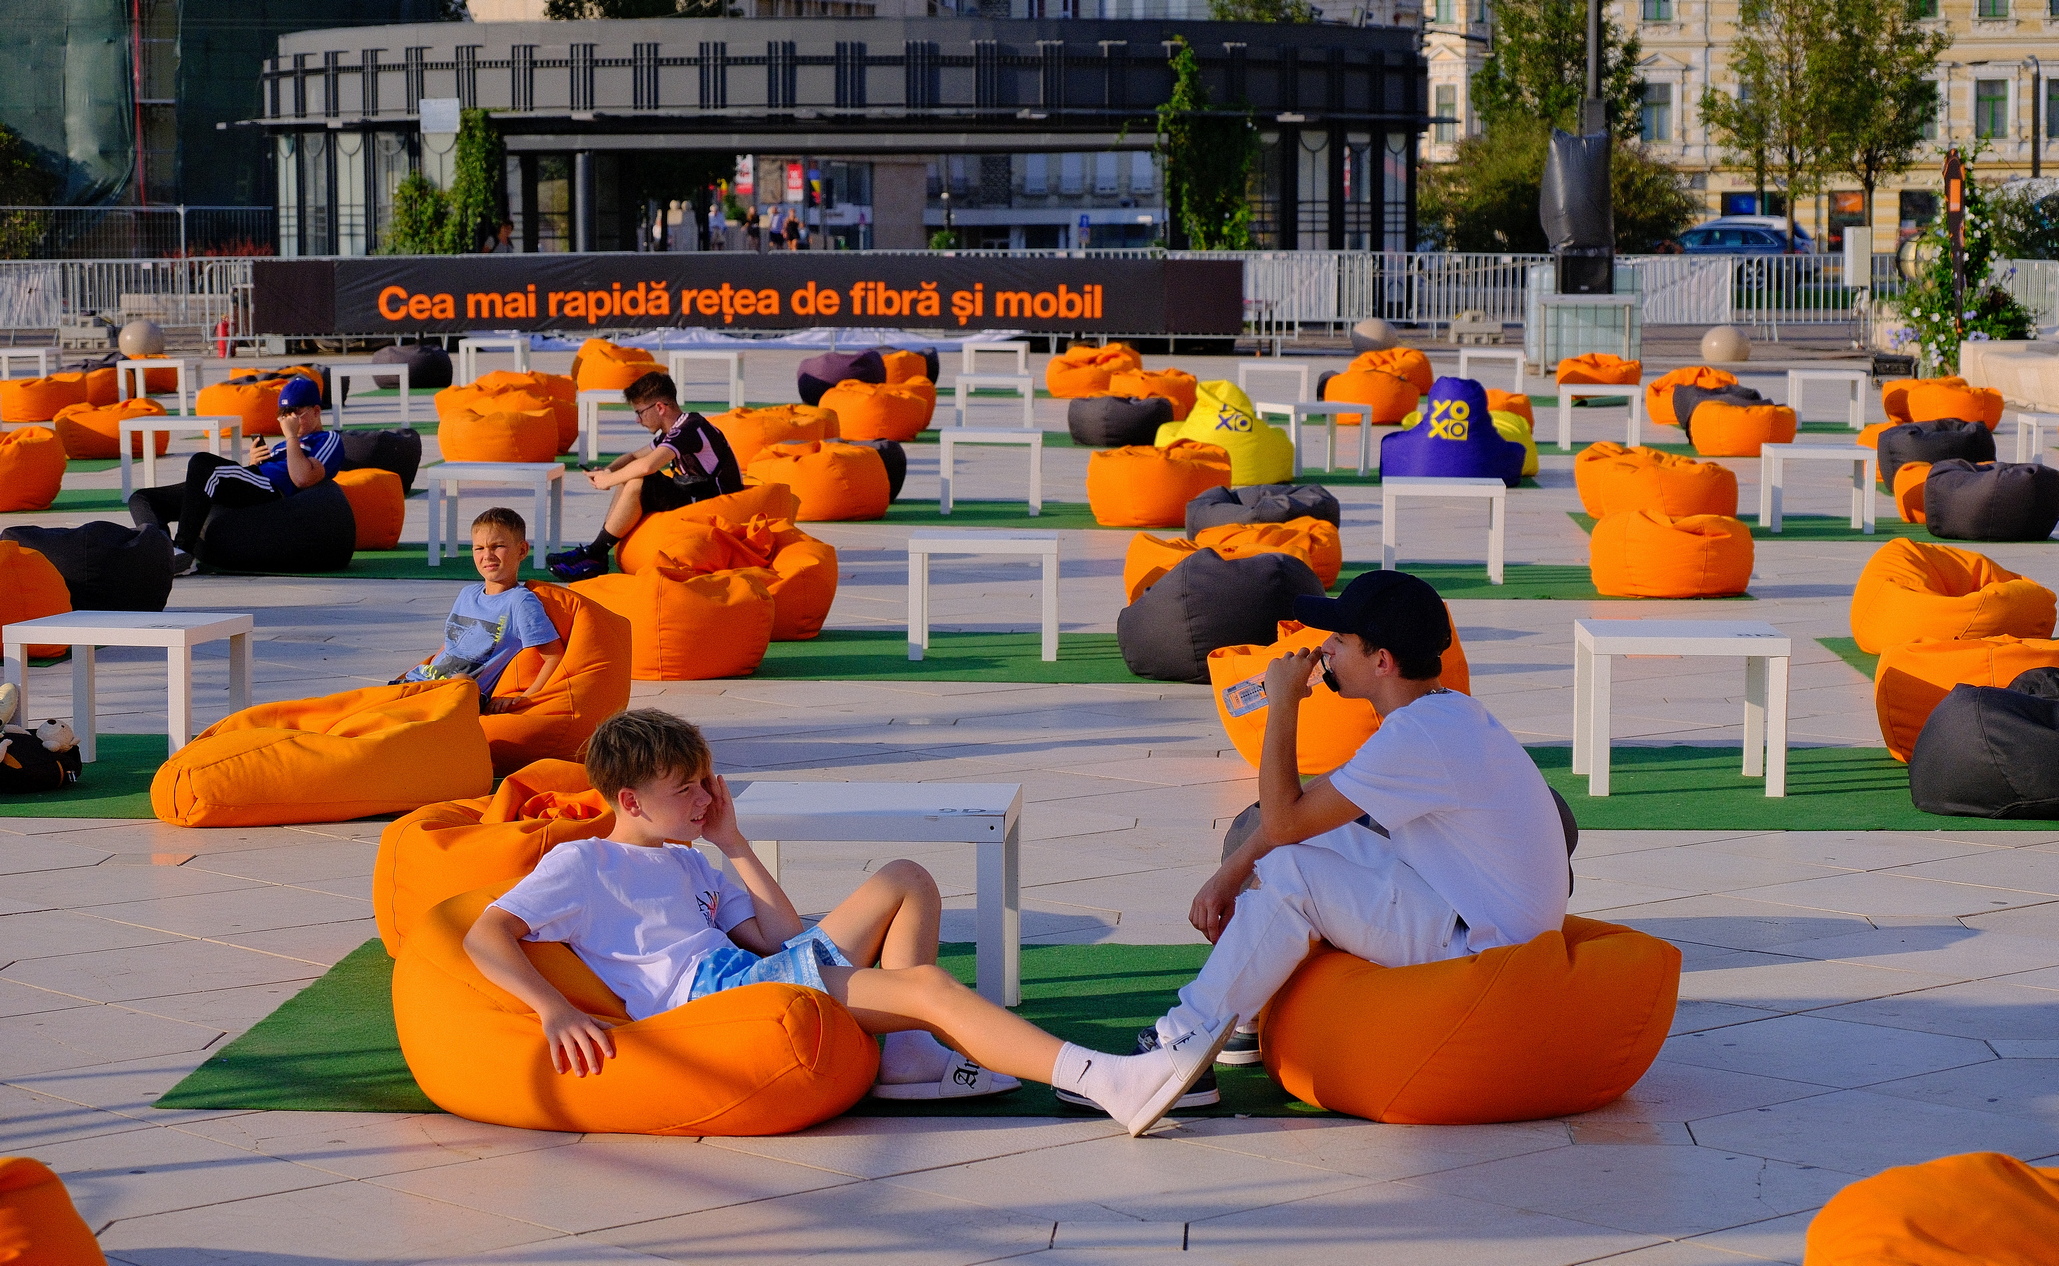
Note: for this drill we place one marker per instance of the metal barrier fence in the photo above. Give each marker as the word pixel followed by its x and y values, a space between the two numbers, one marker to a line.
pixel 44 294
pixel 102 233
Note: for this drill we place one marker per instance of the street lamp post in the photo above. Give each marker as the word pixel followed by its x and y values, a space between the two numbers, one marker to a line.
pixel 2037 119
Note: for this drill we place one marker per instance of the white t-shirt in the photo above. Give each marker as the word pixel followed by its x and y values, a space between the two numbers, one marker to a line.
pixel 1465 808
pixel 642 918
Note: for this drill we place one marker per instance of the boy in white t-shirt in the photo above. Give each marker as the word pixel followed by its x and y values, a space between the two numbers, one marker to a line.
pixel 661 927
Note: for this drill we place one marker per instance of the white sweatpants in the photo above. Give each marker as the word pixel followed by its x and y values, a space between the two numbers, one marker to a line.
pixel 1370 904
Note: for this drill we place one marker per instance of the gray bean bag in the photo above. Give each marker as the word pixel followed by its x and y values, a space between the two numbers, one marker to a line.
pixel 1687 399
pixel 2042 682
pixel 1987 752
pixel 1991 501
pixel 1117 421
pixel 819 373
pixel 896 459
pixel 1322 380
pixel 398 451
pixel 310 531
pixel 1205 603
pixel 107 566
pixel 1939 441
pixel 1262 503
pixel 428 367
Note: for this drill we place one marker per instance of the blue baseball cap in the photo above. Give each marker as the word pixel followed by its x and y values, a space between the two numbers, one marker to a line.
pixel 300 393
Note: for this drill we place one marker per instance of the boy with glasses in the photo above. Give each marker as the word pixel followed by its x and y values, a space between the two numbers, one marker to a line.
pixel 687 460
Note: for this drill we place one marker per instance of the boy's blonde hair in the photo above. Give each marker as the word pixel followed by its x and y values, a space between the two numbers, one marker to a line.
pixel 634 749
pixel 502 517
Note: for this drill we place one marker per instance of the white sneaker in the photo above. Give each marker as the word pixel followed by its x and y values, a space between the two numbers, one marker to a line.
pixel 1191 1054
pixel 964 1079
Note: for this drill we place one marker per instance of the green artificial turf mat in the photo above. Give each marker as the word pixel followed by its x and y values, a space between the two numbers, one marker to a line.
pixel 992 514
pixel 1557 581
pixel 882 655
pixel 995 421
pixel 77 500
pixel 332 1047
pixel 1806 527
pixel 90 465
pixel 115 786
pixel 1847 649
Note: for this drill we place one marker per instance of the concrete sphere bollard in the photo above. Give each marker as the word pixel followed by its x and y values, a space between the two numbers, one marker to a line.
pixel 141 338
pixel 1374 335
pixel 1726 343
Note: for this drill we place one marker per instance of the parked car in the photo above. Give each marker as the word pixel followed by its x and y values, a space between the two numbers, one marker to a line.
pixel 1746 235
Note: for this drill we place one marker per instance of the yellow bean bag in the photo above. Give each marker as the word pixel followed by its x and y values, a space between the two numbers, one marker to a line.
pixel 1175 385
pixel 38 1224
pixel 1974 1209
pixel 1560 1025
pixel 454 846
pixel 880 411
pixel 1510 426
pixel 1658 394
pixel 93 432
pixel 1908 491
pixel 1145 485
pixel 590 685
pixel 686 624
pixel 604 366
pixel 1912 589
pixel 835 481
pixel 752 431
pixel 1390 397
pixel 1934 399
pixel 1405 363
pixel 1330 728
pixel 1913 677
pixel 1084 370
pixel 1612 478
pixel 761 1059
pixel 39 399
pixel 1644 554
pixel 1260 453
pixel 1602 368
pixel 31 587
pixel 383 749
pixel 31 468
pixel 1738 430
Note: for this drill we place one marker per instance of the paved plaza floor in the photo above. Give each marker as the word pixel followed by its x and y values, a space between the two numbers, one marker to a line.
pixel 1851 1000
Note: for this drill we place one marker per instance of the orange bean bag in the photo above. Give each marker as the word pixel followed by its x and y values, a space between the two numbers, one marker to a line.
pixel 31 468
pixel 1931 400
pixel 1405 363
pixel 1600 367
pixel 39 399
pixel 38 1224
pixel 1509 402
pixel 1175 385
pixel 93 432
pixel 1908 491
pixel 1612 478
pixel 1144 485
pixel 520 393
pixel 101 387
pixel 653 534
pixel 1911 589
pixel 880 411
pixel 1329 728
pixel 1894 395
pixel 379 504
pixel 257 403
pixel 1974 1209
pixel 1912 677
pixel 1313 541
pixel 383 749
pixel 591 685
pixel 31 587
pixel 1737 430
pixel 751 431
pixel 1658 394
pixel 604 366
pixel 1644 554
pixel 156 382
pixel 454 402
pixel 801 571
pixel 1559 1025
pixel 903 366
pixel 1390 397
pixel 527 435
pixel 689 625
pixel 761 1059
pixel 1083 370
pixel 835 481
pixel 454 846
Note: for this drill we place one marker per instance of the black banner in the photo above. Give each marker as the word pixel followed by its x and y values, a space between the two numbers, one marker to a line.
pixel 574 293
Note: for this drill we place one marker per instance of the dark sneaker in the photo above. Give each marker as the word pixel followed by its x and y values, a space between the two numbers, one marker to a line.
pixel 1242 1048
pixel 576 564
pixel 184 564
pixel 1203 1093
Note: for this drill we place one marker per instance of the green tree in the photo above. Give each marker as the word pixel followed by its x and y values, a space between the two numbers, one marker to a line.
pixel 1208 156
pixel 1881 95
pixel 576 10
pixel 1488 199
pixel 477 197
pixel 1537 68
pixel 25 181
pixel 1261 10
pixel 1784 116
pixel 419 212
pixel 1937 322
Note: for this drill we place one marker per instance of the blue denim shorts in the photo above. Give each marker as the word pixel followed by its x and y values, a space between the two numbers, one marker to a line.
pixel 800 962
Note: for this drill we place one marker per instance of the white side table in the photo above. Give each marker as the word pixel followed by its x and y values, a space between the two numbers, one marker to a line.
pixel 985 815
pixel 341 374
pixel 48 360
pixel 1249 369
pixel 969 353
pixel 1571 391
pixel 469 349
pixel 732 364
pixel 1394 487
pixel 1021 384
pixel 545 479
pixel 589 403
pixel 178 632
pixel 131 373
pixel 1765 650
pixel 924 542
pixel 948 438
pixel 2030 435
pixel 1467 355
pixel 1328 411
pixel 149 425
pixel 1773 459
pixel 1853 384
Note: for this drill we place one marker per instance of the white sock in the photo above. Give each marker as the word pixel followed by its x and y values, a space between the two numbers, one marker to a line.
pixel 913 1056
pixel 1118 1083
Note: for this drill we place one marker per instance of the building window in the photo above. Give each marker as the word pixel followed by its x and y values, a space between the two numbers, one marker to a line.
pixel 1072 173
pixel 1104 173
pixel 1993 9
pixel 1990 107
pixel 1036 175
pixel 1143 172
pixel 2051 106
pixel 1930 125
pixel 1658 113
pixel 1444 11
pixel 1926 8
pixel 1659 10
pixel 1445 106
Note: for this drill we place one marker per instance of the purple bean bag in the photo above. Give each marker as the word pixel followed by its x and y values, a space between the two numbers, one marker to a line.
pixel 820 373
pixel 1455 439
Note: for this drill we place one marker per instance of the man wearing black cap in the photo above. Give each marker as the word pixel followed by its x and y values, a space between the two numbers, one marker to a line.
pixel 1437 839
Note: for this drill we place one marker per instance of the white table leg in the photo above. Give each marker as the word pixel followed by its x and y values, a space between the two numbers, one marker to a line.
pixel 557 518
pixel 959 397
pixel 1294 438
pixel 539 526
pixel 1029 409
pixel 1754 716
pixel 83 711
pixel 122 440
pixel 590 429
pixel 1387 533
pixel 1329 442
pixel 14 660
pixel 178 672
pixel 946 454
pixel 1497 523
pixel 1861 521
pixel 918 613
pixel 999 954
pixel 1855 408
pixel 435 522
pixel 1365 441
pixel 1565 421
pixel 1036 502
pixel 1776 725
pixel 1598 728
pixel 1583 705
pixel 451 538
pixel 403 395
pixel 1636 417
pixel 1050 597
pixel 239 671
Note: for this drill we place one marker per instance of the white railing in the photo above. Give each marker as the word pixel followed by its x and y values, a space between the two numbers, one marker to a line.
pixel 43 294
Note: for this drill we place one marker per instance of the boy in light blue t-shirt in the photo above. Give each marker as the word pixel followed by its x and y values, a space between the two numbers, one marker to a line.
pixel 495 621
